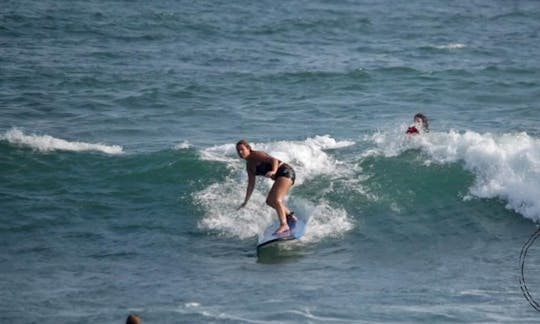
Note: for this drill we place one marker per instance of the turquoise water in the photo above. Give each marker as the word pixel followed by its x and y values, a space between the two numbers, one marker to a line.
pixel 120 182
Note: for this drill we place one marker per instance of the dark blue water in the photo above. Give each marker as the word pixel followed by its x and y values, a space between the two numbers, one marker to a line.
pixel 119 181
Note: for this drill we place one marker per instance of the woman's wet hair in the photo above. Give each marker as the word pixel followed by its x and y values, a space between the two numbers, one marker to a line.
pixel 245 143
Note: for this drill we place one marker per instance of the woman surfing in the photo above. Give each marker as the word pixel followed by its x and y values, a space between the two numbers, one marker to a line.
pixel 259 163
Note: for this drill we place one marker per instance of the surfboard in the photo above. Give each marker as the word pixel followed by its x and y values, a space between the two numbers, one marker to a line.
pixel 296 231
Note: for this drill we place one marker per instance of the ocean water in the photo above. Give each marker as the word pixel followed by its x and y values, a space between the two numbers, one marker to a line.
pixel 119 181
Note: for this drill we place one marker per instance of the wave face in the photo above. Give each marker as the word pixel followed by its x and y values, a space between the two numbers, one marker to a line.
pixel 504 166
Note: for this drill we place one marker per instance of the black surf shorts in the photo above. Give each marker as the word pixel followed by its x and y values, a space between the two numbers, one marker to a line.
pixel 286 171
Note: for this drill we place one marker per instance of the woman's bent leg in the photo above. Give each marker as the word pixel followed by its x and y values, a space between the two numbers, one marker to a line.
pixel 281 187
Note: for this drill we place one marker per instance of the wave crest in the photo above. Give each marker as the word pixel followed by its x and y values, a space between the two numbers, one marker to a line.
pixel 505 166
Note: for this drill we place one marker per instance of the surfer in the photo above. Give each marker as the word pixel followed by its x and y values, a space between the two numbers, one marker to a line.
pixel 259 163
pixel 420 125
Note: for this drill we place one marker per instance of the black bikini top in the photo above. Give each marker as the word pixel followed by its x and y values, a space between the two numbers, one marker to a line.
pixel 263 168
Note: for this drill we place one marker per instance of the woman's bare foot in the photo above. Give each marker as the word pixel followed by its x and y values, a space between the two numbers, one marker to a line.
pixel 282 229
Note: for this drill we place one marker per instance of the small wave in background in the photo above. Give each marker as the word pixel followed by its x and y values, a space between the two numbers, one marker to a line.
pixel 47 143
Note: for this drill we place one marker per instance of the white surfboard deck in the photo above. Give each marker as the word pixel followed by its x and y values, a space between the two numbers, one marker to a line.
pixel 296 231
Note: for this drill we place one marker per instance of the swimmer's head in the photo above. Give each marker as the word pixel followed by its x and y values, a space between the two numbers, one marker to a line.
pixel 421 121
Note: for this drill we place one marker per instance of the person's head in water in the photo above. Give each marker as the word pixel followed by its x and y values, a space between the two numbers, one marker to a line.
pixel 243 149
pixel 133 319
pixel 420 124
pixel 422 121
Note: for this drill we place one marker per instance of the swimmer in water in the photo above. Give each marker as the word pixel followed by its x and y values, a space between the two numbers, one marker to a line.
pixel 420 125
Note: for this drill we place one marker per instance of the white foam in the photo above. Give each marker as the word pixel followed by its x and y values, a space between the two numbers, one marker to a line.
pixel 213 313
pixel 506 166
pixel 393 142
pixel 221 153
pixel 221 200
pixel 183 146
pixel 192 304
pixel 324 220
pixel 451 46
pixel 327 142
pixel 48 143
